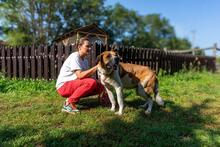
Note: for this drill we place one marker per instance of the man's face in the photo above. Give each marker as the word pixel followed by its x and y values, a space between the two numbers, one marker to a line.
pixel 85 48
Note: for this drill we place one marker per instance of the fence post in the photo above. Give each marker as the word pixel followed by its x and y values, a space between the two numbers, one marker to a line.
pixel 26 62
pixel 8 61
pixel 33 62
pixel 39 62
pixel 3 62
pixel 46 62
pixel 20 62
pixel 60 57
pixel 53 64
pixel 15 61
pixel 214 50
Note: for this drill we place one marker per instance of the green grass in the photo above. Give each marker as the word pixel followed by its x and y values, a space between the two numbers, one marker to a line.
pixel 218 59
pixel 30 116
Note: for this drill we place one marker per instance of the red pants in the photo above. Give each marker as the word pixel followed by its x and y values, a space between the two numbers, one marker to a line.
pixel 76 89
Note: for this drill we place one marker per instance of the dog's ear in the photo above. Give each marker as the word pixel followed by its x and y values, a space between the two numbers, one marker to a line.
pixel 99 59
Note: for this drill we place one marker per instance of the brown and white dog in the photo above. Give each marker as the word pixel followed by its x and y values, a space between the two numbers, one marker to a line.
pixel 125 75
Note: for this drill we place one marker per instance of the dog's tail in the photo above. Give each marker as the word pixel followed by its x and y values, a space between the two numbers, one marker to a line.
pixel 157 97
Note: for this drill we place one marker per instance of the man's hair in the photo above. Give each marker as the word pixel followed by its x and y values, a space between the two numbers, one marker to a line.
pixel 82 40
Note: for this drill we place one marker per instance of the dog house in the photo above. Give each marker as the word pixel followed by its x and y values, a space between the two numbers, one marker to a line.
pixel 93 32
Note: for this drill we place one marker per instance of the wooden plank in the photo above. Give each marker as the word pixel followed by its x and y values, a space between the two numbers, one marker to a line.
pixel 52 62
pixel 3 60
pixel 59 57
pixel 137 56
pixel 129 55
pixel 150 58
pixel 167 63
pixel 93 56
pixel 20 62
pixel 122 53
pixel 33 62
pixel 66 51
pixel 153 58
pixel 39 62
pixel 133 53
pixel 103 48
pixel 171 63
pixel 159 60
pixel 15 61
pixel 97 49
pixel 46 63
pixel 144 57
pixel 156 61
pixel 26 62
pixel 8 62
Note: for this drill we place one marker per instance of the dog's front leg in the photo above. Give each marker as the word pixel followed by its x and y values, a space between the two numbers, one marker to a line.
pixel 119 99
pixel 111 98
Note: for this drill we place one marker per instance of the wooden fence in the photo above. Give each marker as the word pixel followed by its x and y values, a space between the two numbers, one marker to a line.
pixel 169 62
pixel 42 61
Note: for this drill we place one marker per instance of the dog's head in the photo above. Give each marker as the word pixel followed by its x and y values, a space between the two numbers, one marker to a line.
pixel 109 61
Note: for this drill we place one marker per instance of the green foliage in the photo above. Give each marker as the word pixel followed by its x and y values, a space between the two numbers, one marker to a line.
pixel 121 23
pixel 17 38
pixel 33 22
pixel 43 20
pixel 218 59
pixel 190 116
pixel 26 88
pixel 155 31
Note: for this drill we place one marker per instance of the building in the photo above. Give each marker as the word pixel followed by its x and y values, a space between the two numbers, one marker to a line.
pixel 93 32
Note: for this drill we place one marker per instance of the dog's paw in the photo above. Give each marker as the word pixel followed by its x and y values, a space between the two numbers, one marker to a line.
pixel 160 102
pixel 142 106
pixel 112 109
pixel 147 112
pixel 118 113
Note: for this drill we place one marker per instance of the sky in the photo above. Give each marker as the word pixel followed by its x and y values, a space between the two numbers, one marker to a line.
pixel 196 20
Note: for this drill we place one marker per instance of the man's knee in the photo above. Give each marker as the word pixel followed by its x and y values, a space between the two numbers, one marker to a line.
pixel 92 83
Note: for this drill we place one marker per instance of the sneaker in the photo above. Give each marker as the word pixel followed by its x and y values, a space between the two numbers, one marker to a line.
pixel 71 108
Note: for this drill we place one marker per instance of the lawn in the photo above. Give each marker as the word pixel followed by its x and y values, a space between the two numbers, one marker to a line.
pixel 30 115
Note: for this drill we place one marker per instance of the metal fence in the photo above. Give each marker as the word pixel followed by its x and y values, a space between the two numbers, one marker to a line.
pixel 44 62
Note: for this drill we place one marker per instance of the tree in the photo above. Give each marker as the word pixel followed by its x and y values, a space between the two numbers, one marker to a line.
pixel 156 32
pixel 42 21
pixel 121 23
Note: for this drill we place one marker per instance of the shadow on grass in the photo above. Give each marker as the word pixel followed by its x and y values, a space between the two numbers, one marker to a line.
pixel 89 102
pixel 9 133
pixel 162 128
pixel 176 126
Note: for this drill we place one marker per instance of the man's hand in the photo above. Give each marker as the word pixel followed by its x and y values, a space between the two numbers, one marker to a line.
pixel 87 73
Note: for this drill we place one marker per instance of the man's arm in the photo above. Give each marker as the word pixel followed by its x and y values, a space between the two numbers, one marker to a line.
pixel 87 73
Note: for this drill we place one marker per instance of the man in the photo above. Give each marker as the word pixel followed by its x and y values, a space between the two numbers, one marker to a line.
pixel 74 80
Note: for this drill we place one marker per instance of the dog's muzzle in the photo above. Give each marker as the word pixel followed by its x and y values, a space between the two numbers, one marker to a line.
pixel 117 59
pixel 115 66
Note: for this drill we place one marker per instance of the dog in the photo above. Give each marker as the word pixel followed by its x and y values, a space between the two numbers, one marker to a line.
pixel 113 73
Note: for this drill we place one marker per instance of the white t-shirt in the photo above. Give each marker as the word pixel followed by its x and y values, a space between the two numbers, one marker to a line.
pixel 72 63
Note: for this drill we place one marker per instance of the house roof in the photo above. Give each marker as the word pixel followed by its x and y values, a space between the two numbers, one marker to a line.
pixel 89 29
pixel 2 42
pixel 93 28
